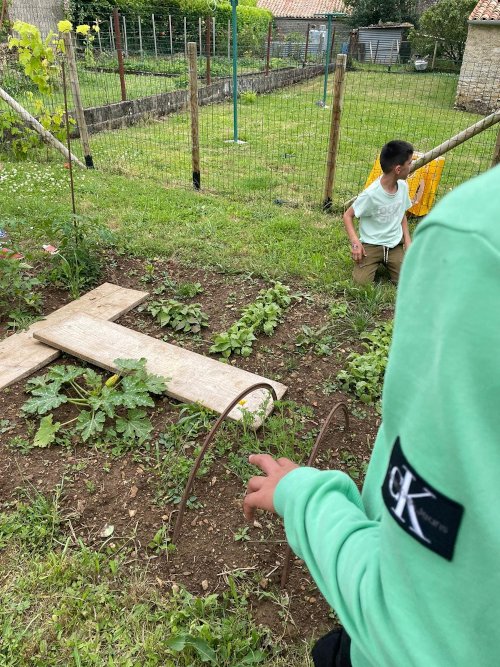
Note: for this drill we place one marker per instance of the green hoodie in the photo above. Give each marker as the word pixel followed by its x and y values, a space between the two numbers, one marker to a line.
pixel 412 566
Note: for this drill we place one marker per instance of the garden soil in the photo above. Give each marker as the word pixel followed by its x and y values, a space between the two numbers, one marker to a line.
pixel 100 489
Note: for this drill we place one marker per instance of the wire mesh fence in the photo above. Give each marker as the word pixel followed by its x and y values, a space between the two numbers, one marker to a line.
pixel 271 139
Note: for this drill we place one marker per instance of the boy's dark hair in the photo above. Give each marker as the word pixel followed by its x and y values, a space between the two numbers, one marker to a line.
pixel 394 153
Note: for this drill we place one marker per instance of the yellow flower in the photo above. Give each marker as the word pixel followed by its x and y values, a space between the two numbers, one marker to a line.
pixel 65 26
pixel 95 27
pixel 242 402
pixel 83 29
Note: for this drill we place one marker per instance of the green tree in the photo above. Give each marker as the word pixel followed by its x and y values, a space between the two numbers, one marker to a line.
pixel 370 12
pixel 447 22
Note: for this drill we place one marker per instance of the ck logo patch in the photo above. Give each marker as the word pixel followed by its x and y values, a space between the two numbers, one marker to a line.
pixel 428 516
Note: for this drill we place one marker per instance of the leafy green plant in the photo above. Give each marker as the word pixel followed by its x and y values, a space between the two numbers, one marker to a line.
pixel 161 541
pixel 185 318
pixel 364 375
pixel 262 315
pixel 36 55
pixel 77 264
pixel 188 290
pixel 19 292
pixel 174 457
pixel 111 409
pixel 319 340
pixel 248 97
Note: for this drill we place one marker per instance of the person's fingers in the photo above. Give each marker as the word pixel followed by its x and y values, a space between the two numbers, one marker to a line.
pixel 284 462
pixel 255 484
pixel 263 461
pixel 250 502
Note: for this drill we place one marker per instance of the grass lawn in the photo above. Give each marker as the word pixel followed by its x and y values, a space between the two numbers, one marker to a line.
pixel 204 229
pixel 287 138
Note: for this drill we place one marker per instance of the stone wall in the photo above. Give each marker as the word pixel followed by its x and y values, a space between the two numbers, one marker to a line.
pixel 43 13
pixel 478 87
pixel 124 114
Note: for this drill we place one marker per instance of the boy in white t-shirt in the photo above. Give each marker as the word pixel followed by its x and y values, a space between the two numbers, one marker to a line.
pixel 381 210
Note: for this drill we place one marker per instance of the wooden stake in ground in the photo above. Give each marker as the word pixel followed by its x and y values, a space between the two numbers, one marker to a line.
pixel 338 96
pixel 453 142
pixel 193 105
pixel 119 53
pixel 35 125
pixel 77 99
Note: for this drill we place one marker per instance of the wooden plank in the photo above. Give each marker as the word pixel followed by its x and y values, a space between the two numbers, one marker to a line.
pixel 191 377
pixel 21 355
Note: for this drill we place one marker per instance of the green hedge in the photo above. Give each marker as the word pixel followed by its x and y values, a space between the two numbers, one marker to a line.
pixel 252 21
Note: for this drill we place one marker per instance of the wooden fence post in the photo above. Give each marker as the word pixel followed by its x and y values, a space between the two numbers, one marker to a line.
pixel 77 99
pixel 434 54
pixel 33 123
pixel 193 104
pixel 119 52
pixel 338 95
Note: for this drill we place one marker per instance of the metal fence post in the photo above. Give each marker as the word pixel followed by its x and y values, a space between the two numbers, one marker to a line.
pixel 208 49
pixel 139 20
pixel 496 152
pixel 154 35
pixel 338 96
pixel 119 53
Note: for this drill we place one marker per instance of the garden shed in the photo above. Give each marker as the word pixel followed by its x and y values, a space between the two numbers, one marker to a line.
pixel 293 16
pixel 479 83
pixel 384 43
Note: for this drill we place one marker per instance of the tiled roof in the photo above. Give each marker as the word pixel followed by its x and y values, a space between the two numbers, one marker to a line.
pixel 486 10
pixel 302 9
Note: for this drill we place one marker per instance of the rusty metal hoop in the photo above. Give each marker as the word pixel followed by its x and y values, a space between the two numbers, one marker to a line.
pixel 338 406
pixel 206 444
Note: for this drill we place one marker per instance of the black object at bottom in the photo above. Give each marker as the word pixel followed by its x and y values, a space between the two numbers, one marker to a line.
pixel 196 180
pixel 89 162
pixel 333 650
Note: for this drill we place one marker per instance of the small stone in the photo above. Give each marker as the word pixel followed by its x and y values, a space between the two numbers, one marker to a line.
pixel 164 517
pixel 132 513
pixel 264 583
pixel 133 491
pixel 204 584
pixel 257 524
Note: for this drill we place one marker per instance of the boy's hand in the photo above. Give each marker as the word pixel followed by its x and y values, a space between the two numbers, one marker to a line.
pixel 357 251
pixel 260 490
